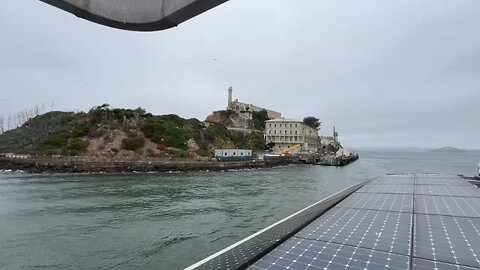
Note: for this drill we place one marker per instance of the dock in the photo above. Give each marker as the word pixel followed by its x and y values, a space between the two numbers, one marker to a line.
pixel 407 221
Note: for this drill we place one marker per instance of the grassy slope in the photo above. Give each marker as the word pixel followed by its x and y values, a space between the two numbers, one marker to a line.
pixel 70 134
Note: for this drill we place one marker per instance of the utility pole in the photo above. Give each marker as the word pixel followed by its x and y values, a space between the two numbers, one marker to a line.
pixel 335 134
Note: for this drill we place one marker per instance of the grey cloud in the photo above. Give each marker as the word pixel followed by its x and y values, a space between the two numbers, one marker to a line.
pixel 390 73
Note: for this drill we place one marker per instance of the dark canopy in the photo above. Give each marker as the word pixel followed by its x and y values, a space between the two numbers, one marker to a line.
pixel 145 15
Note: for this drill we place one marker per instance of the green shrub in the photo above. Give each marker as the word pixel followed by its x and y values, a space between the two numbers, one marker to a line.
pixel 129 113
pixel 227 113
pixel 56 141
pixel 240 140
pixel 259 119
pixel 133 142
pixel 75 147
pixel 172 129
pixel 96 132
pixel 80 130
pixel 177 153
pixel 204 152
pixel 257 141
pixel 214 131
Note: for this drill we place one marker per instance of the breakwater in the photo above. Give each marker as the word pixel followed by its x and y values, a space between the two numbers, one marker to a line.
pixel 332 160
pixel 91 164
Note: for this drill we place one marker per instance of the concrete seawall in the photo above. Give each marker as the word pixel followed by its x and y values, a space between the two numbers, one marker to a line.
pixel 80 165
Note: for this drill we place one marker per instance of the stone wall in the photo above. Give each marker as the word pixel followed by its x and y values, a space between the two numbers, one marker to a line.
pixel 96 165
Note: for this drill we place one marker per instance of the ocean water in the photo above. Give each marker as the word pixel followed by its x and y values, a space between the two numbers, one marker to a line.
pixel 171 220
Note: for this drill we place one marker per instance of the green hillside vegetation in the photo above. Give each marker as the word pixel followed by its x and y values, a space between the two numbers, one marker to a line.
pixel 50 130
pixel 173 130
pixel 232 119
pixel 68 133
pixel 133 142
pixel 259 119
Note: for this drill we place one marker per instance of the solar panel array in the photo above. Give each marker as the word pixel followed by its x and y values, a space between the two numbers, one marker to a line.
pixel 243 253
pixel 421 221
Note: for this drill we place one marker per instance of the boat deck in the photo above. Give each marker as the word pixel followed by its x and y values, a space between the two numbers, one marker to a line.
pixel 411 221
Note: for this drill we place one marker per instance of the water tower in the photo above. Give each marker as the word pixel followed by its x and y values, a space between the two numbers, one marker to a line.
pixel 230 96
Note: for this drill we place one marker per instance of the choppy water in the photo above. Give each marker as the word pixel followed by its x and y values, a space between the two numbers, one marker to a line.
pixel 169 221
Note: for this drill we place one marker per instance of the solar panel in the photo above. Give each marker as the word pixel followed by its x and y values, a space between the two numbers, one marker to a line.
pixel 450 206
pixel 398 176
pixel 407 179
pixel 442 181
pixel 394 189
pixel 464 191
pixel 448 239
pixel 435 176
pixel 379 230
pixel 297 253
pixel 372 229
pixel 385 202
pixel 420 264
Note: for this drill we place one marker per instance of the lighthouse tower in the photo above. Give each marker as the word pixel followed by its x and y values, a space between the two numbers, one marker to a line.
pixel 230 96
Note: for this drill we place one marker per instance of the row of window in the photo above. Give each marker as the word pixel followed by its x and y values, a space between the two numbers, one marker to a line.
pixel 275 132
pixel 287 138
pixel 280 125
pixel 234 153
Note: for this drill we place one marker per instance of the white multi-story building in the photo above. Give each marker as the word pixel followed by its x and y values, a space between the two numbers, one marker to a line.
pixel 284 133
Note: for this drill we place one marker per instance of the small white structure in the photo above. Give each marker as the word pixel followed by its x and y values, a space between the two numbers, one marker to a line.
pixel 285 133
pixel 233 154
pixel 342 152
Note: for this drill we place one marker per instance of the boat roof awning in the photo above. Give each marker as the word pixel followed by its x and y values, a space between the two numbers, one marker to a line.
pixel 144 15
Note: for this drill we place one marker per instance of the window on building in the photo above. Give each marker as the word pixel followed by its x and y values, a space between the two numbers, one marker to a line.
pixel 290 132
pixel 295 125
pixel 225 154
pixel 280 132
pixel 290 125
pixel 269 125
pixel 295 132
pixel 275 125
pixel 234 153
pixel 274 132
pixel 241 154
pixel 269 132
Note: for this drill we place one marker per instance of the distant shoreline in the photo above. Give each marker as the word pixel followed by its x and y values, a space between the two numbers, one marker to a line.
pixel 87 165
pixel 448 149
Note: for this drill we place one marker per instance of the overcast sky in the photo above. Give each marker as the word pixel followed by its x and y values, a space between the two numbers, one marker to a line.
pixel 385 73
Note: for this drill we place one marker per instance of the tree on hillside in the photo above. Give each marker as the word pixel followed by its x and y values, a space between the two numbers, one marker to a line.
pixel 259 119
pixel 312 121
